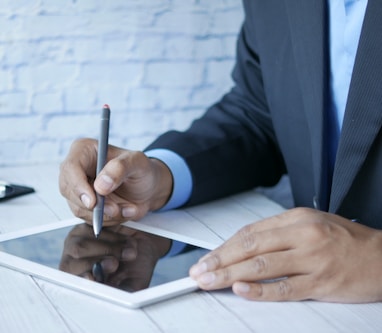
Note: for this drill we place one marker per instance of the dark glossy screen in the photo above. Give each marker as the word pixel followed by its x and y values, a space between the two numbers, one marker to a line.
pixel 121 257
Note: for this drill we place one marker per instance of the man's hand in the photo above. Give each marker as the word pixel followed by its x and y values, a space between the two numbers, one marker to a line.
pixel 309 254
pixel 131 183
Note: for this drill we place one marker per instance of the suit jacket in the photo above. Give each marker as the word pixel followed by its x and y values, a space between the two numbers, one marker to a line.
pixel 274 119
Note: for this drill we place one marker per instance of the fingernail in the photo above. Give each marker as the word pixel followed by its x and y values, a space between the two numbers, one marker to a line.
pixel 129 211
pixel 105 183
pixel 198 269
pixel 207 278
pixel 85 200
pixel 241 288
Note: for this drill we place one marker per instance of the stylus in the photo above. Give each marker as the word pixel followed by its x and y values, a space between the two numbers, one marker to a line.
pixel 101 159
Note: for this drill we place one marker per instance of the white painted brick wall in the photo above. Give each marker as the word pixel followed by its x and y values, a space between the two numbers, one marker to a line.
pixel 158 63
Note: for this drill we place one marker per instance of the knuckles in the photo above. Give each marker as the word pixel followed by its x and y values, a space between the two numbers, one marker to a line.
pixel 259 265
pixel 214 261
pixel 284 289
pixel 247 239
pixel 312 224
pixel 227 276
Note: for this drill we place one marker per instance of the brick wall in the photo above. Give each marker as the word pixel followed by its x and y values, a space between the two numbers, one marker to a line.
pixel 157 63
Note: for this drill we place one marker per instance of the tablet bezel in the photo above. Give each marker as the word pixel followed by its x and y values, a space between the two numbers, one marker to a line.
pixel 132 300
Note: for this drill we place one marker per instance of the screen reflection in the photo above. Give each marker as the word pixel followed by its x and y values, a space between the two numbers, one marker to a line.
pixel 120 257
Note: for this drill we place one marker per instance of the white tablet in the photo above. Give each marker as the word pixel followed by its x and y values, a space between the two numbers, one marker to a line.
pixel 68 254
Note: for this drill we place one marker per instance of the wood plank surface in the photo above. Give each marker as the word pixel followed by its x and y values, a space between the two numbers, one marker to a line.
pixel 29 304
pixel 25 308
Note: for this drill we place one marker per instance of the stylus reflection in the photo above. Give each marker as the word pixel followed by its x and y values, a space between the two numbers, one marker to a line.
pixel 120 257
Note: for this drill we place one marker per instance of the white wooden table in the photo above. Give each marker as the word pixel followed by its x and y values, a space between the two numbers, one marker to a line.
pixel 28 304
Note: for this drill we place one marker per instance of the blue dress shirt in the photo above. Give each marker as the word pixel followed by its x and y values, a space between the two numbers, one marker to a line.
pixel 345 24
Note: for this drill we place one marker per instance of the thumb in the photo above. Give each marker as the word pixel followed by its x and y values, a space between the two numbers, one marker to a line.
pixel 112 175
pixel 119 168
pixel 104 184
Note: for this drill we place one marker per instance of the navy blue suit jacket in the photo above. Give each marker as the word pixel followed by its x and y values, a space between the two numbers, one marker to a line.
pixel 273 121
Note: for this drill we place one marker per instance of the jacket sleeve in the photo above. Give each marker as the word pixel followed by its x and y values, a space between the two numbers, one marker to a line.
pixel 232 147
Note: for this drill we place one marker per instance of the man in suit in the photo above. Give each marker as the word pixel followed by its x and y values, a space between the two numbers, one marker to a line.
pixel 307 101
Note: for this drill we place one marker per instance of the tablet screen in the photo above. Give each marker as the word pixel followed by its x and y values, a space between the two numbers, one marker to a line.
pixel 121 257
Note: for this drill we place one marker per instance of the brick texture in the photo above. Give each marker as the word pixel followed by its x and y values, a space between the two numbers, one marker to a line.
pixel 158 64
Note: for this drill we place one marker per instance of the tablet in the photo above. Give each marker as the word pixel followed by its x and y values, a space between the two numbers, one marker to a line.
pixel 122 266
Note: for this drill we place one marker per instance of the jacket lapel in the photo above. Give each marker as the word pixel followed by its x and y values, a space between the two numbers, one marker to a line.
pixel 307 19
pixel 363 115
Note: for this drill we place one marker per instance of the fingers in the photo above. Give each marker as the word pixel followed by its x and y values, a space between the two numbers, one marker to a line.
pixel 266 250
pixel 245 244
pixel 74 185
pixel 277 233
pixel 131 183
pixel 290 289
pixel 302 254
pixel 127 182
pixel 117 170
pixel 75 172
pixel 257 268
